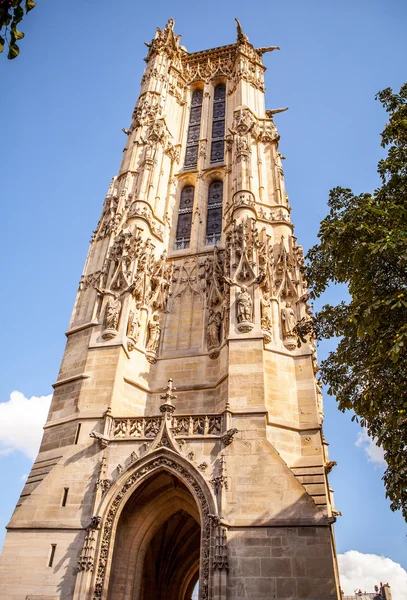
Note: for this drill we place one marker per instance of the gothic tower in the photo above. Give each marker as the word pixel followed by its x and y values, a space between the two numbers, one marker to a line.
pixel 184 441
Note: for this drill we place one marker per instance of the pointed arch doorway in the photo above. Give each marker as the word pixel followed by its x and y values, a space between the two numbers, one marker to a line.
pixel 157 543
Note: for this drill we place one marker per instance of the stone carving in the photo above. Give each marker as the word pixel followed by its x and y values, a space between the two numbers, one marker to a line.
pixel 154 334
pixel 220 558
pixel 266 320
pixel 152 427
pixel 215 300
pixel 141 473
pixel 173 152
pixel 219 481
pixel 133 329
pixel 86 557
pixel 182 426
pixel 102 483
pixel 244 306
pixel 186 278
pixel 141 210
pixel 113 309
pixel 95 522
pixel 166 42
pixel 135 428
pixel 167 409
pixel 110 217
pixel 102 440
pixel 147 108
pixel 289 321
pixel 268 132
pixel 161 278
pixel 90 280
pixel 213 332
pixel 329 465
pixel 227 438
pixel 202 148
pixel 209 66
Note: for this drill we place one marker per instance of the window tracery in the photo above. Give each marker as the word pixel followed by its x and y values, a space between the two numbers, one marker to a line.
pixel 183 235
pixel 214 214
pixel 194 129
pixel 218 124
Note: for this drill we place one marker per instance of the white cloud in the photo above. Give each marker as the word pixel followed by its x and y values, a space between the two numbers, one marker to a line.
pixel 375 453
pixel 364 571
pixel 24 477
pixel 21 423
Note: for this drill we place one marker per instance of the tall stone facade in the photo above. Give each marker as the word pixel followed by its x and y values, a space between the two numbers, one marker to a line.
pixel 194 280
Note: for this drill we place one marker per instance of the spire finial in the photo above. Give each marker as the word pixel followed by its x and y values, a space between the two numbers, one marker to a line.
pixel 168 396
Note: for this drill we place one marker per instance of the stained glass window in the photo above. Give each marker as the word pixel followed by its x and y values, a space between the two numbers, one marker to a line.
pixel 194 129
pixel 186 205
pixel 214 216
pixel 218 124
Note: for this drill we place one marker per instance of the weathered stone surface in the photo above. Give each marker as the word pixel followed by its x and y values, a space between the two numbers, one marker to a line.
pixel 221 479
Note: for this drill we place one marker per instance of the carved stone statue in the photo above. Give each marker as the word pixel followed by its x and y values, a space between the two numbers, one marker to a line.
pixel 133 329
pixel 213 329
pixel 113 308
pixel 241 144
pixel 154 333
pixel 289 320
pixel 244 305
pixel 265 307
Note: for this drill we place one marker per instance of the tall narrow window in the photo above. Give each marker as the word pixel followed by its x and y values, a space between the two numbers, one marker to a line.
pixel 194 129
pixel 65 497
pixel 185 217
pixel 52 555
pixel 218 124
pixel 214 216
pixel 78 430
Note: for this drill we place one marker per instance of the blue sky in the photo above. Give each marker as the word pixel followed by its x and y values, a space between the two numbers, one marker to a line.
pixel 64 101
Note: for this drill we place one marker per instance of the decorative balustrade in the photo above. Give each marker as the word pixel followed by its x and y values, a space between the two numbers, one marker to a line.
pixel 182 426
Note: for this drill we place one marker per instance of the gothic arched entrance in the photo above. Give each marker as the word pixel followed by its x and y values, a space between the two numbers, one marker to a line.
pixel 156 552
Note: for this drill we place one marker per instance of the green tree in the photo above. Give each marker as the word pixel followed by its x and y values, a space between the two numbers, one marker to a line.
pixel 11 14
pixel 363 244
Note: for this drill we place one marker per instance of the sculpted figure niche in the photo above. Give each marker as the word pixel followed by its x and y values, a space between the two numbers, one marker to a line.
pixel 154 334
pixel 213 332
pixel 244 306
pixel 133 329
pixel 266 320
pixel 289 321
pixel 112 313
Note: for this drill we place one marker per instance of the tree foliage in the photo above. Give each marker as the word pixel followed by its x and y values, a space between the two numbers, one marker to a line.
pixel 11 14
pixel 363 244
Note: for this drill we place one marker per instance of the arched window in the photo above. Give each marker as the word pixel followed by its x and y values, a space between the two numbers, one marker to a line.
pixel 218 124
pixel 185 218
pixel 194 129
pixel 214 216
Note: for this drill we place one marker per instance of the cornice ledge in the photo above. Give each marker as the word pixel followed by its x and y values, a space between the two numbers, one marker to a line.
pixel 81 327
pixel 60 382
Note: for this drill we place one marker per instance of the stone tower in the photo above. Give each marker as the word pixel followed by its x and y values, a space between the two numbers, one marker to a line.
pixel 194 280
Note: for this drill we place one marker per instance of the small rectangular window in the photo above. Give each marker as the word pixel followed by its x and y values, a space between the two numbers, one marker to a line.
pixel 65 497
pixel 52 555
pixel 78 430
